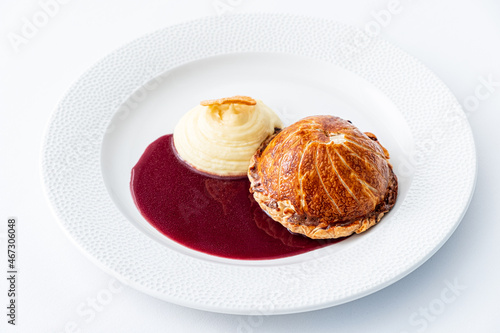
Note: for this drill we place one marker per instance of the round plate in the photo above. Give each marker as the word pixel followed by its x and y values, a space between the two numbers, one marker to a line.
pixel 299 67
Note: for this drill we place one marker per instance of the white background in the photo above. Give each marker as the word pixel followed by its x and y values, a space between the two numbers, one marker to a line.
pixel 458 40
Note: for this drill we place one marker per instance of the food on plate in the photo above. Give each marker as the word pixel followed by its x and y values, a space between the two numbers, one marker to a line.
pixel 323 178
pixel 218 137
pixel 320 177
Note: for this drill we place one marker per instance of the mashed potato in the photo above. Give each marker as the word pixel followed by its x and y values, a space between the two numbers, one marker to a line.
pixel 220 136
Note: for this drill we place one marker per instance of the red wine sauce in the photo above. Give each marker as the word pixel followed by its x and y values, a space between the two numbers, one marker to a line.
pixel 217 216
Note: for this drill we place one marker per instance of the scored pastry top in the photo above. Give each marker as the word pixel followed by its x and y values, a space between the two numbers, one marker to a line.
pixel 323 172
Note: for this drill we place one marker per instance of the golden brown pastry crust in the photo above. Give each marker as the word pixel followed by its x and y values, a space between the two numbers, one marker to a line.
pixel 323 178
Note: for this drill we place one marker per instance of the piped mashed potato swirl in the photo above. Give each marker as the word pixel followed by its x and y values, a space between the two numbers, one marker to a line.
pixel 220 136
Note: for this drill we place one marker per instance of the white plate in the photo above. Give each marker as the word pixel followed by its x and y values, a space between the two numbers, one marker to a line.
pixel 298 66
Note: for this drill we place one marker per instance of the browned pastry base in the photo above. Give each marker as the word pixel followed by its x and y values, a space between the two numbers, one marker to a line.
pixel 295 223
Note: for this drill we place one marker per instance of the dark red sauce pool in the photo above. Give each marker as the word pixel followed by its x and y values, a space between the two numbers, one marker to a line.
pixel 212 215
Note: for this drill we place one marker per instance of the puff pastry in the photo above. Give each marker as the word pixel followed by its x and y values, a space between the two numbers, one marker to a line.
pixel 323 178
